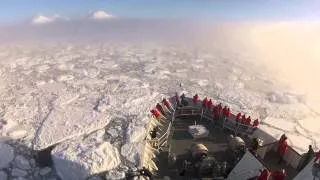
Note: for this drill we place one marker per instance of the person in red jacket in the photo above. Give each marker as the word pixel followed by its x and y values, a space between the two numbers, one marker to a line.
pixel 248 121
pixel 228 112
pixel 238 117
pixel 219 107
pixel 279 175
pixel 282 138
pixel 167 104
pixel 205 102
pixel 255 123
pixel 210 104
pixel 195 99
pixel 157 114
pixel 215 115
pixel 264 175
pixel 243 119
pixel 160 108
pixel 283 149
pixel 224 111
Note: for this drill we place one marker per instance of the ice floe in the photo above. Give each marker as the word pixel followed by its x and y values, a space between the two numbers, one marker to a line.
pixel 92 101
pixel 79 163
pixel 133 152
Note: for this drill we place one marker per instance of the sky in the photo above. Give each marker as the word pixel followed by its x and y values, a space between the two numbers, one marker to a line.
pixel 229 10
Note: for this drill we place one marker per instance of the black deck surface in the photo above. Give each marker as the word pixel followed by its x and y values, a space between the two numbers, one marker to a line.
pixel 180 141
pixel 271 161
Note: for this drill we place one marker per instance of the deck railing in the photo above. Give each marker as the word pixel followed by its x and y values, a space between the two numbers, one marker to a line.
pixel 160 142
pixel 230 123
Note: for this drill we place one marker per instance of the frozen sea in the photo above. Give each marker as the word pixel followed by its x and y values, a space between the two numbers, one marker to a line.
pixel 91 100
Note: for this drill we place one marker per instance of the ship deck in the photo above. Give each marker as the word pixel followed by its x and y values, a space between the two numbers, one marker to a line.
pixel 271 162
pixel 180 141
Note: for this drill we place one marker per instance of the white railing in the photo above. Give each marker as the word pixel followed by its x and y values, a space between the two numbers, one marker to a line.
pixel 230 123
pixel 164 138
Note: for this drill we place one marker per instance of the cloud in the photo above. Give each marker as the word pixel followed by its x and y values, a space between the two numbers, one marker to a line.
pixel 101 15
pixel 42 19
pixel 47 19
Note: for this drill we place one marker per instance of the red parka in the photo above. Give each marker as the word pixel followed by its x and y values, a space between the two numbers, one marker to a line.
pixel 156 113
pixel 283 147
pixel 265 174
pixel 195 99
pixel 166 103
pixel 277 175
pixel 256 123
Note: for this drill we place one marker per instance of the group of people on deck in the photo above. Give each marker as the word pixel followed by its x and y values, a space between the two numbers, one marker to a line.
pixel 223 113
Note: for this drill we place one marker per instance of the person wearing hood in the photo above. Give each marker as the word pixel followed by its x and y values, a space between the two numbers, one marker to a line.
pixel 157 114
pixel 160 108
pixel 195 99
pixel 205 103
pixel 184 102
pixel 167 104
pixel 283 149
pixel 248 121
pixel 255 125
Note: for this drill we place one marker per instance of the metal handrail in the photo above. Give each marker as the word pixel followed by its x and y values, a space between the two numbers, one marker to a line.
pixel 165 136
pixel 205 114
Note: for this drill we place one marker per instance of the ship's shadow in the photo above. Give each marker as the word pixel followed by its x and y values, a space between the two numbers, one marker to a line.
pixel 44 158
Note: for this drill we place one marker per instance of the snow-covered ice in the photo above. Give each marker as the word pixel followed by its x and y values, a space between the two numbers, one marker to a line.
pixel 281 124
pixel 93 100
pixel 135 133
pixel 86 158
pixel 311 124
pixel 133 152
